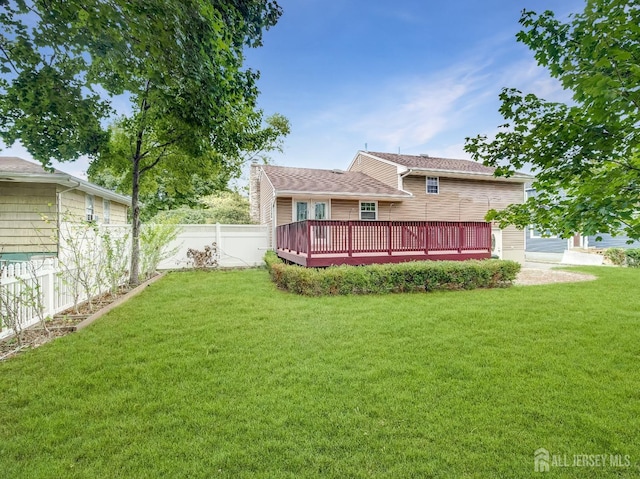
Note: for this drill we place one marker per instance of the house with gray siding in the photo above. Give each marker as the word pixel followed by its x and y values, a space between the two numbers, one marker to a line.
pixel 542 242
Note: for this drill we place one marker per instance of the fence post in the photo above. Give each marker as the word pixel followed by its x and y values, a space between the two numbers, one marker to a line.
pixel 218 236
pixel 50 278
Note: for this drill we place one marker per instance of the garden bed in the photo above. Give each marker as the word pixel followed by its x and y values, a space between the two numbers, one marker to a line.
pixel 69 320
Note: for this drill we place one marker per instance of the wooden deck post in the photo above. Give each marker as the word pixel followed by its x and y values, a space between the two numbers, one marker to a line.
pixel 349 239
pixel 460 237
pixel 308 238
pixel 426 238
pixel 389 239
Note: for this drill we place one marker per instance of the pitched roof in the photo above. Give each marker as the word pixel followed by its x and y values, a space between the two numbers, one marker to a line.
pixel 13 164
pixel 432 163
pixel 334 182
pixel 19 170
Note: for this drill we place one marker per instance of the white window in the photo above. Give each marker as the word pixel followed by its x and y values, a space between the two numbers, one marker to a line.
pixel 106 211
pixel 89 208
pixel 433 185
pixel 302 210
pixel 536 233
pixel 310 210
pixel 321 211
pixel 368 210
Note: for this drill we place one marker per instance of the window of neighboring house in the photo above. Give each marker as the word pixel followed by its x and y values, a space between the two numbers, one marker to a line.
pixel 368 210
pixel 89 207
pixel 106 211
pixel 536 233
pixel 433 185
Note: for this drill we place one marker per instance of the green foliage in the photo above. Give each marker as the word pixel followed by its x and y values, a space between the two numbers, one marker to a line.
pixel 586 156
pixel 115 246
pixel 633 257
pixel 617 256
pixel 388 278
pixel 179 180
pixel 219 371
pixel 180 64
pixel 225 207
pixel 155 242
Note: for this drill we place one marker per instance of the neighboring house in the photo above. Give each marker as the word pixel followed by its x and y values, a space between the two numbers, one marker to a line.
pixel 34 201
pixel 542 242
pixel 389 187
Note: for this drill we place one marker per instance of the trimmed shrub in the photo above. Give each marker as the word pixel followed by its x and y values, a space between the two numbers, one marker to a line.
pixel 617 256
pixel 389 278
pixel 633 257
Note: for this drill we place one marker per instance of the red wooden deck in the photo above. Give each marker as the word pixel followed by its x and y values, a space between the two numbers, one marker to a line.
pixel 316 243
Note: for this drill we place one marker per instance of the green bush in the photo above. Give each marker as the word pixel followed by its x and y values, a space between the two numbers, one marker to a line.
pixel 388 278
pixel 617 256
pixel 633 258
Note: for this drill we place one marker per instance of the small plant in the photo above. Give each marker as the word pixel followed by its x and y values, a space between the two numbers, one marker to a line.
pixel 633 257
pixel 617 256
pixel 116 250
pixel 208 258
pixel 155 240
pixel 81 258
pixel 20 298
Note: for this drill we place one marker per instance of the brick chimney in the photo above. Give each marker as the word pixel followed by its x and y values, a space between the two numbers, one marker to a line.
pixel 254 193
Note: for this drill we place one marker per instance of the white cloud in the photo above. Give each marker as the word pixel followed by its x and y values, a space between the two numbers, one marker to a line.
pixel 410 111
pixel 529 77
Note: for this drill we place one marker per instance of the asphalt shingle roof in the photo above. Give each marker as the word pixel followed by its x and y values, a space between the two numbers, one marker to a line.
pixel 427 162
pixel 311 180
pixel 13 164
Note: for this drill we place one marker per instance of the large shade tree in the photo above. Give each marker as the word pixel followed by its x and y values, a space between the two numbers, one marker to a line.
pixel 179 180
pixel 586 154
pixel 178 62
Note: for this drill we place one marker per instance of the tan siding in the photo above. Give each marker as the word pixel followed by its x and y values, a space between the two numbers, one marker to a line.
pixel 284 207
pixel 344 210
pixel 74 207
pixel 27 218
pixel 384 172
pixel 513 244
pixel 458 199
pixel 73 204
pixel 118 213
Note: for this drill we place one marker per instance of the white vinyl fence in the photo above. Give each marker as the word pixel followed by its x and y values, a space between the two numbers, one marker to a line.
pixel 35 289
pixel 237 245
pixel 42 288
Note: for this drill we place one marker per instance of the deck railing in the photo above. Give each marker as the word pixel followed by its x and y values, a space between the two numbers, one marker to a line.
pixel 316 237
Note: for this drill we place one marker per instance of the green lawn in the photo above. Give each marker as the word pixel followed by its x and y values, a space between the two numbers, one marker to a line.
pixel 221 375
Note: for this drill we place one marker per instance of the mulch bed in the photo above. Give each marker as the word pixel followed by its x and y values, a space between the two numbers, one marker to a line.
pixel 60 325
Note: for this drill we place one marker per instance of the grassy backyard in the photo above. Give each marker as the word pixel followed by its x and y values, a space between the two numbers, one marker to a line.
pixel 221 375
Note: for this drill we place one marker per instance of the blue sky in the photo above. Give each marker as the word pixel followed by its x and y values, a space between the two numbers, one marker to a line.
pixel 416 76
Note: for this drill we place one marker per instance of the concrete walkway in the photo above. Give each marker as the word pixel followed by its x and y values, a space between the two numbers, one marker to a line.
pixel 536 257
pixel 542 260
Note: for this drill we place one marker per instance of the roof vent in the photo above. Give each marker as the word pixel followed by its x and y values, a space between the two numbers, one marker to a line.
pixel 425 155
pixel 337 171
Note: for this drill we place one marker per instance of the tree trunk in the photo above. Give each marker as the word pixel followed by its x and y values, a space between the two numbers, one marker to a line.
pixel 134 277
